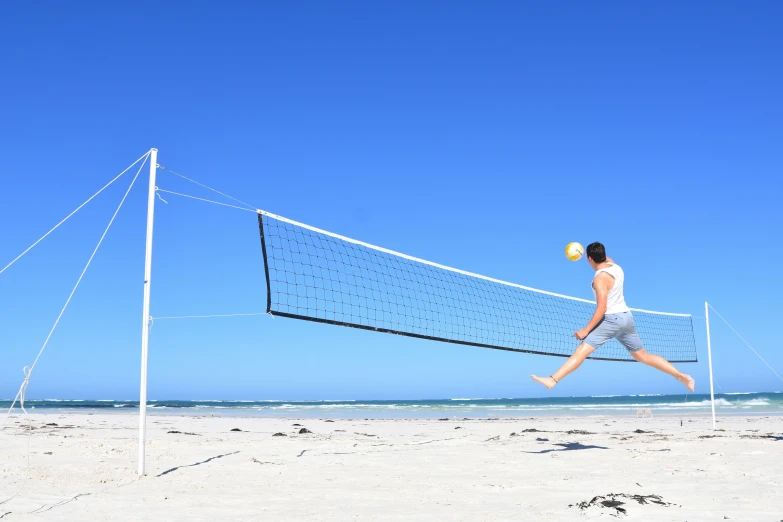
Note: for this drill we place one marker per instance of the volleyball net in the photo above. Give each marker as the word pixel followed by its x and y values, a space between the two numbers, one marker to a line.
pixel 315 275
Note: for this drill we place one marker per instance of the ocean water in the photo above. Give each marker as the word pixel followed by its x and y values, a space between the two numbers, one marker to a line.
pixel 692 404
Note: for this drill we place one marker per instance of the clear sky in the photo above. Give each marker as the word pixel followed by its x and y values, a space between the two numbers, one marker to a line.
pixel 481 135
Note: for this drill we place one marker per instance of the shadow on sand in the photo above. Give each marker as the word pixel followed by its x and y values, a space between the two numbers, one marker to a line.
pixel 197 463
pixel 569 446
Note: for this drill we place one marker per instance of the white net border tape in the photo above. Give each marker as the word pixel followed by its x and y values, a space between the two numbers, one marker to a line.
pixel 444 267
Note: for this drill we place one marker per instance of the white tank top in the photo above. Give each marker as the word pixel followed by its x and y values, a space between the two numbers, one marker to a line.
pixel 615 301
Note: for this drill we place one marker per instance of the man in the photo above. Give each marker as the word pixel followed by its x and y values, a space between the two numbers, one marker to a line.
pixel 612 320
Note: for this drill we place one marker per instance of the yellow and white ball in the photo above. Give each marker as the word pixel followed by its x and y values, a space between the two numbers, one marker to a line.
pixel 574 251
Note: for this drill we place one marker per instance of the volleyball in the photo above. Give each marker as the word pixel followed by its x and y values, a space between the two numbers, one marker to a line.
pixel 574 251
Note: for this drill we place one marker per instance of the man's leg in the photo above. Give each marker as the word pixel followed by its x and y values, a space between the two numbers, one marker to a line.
pixel 659 363
pixel 571 364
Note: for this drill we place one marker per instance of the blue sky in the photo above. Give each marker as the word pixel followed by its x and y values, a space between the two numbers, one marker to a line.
pixel 482 136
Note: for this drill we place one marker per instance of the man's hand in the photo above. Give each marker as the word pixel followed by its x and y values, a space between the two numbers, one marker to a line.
pixel 581 334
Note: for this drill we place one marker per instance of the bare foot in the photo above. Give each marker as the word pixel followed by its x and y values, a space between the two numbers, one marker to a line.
pixel 688 381
pixel 549 382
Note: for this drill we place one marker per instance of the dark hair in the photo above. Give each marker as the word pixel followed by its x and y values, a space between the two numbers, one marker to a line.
pixel 596 252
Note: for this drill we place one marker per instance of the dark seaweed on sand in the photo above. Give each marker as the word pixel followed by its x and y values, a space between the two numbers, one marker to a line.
pixel 610 501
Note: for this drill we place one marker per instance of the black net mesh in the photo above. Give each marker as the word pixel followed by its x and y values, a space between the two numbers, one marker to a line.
pixel 317 277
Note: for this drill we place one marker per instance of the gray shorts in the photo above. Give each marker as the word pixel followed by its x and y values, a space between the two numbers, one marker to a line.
pixel 615 326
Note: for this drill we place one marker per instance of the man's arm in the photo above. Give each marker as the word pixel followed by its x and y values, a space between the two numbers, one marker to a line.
pixel 602 284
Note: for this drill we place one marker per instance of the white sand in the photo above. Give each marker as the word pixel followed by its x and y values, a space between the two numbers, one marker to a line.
pixel 391 469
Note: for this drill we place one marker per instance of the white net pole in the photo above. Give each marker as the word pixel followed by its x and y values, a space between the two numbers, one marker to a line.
pixel 145 332
pixel 709 359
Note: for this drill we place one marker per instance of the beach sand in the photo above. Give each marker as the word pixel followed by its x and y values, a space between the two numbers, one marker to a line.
pixel 537 469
